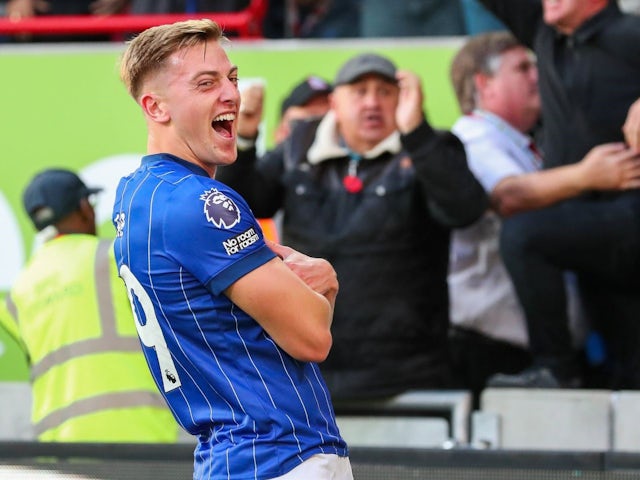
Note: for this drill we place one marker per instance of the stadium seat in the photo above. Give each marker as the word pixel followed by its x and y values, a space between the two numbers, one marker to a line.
pixel 626 418
pixel 420 418
pixel 15 411
pixel 547 419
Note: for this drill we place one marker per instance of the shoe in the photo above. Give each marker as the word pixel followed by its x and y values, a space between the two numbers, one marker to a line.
pixel 535 377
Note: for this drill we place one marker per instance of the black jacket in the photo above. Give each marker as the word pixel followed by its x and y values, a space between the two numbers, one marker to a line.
pixel 389 245
pixel 588 80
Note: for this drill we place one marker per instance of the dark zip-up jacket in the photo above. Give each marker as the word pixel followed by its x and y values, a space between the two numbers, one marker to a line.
pixel 389 244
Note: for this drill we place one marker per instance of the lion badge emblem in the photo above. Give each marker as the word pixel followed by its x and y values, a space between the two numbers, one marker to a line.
pixel 220 209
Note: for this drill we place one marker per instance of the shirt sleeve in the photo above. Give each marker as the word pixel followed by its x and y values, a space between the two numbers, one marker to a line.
pixel 489 164
pixel 215 235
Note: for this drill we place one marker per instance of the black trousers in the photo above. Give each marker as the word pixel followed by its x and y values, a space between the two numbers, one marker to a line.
pixel 598 238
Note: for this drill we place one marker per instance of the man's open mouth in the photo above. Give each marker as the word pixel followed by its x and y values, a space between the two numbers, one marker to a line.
pixel 223 124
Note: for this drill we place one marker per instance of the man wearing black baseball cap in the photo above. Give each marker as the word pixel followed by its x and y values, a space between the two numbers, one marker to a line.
pixel 69 310
pixel 308 99
pixel 372 186
pixel 306 92
pixel 54 194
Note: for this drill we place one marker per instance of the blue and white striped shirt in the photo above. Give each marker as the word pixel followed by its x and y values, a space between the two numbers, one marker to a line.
pixel 182 239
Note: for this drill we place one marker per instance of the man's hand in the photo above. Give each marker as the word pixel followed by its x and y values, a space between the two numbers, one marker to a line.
pixel 409 112
pixel 316 273
pixel 611 166
pixel 251 106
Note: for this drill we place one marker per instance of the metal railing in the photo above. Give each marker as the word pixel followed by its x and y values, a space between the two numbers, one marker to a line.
pixel 66 461
pixel 245 23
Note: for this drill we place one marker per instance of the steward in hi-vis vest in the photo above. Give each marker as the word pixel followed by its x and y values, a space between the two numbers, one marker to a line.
pixel 72 316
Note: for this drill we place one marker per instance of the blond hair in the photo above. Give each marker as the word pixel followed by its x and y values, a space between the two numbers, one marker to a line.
pixel 148 51
pixel 481 54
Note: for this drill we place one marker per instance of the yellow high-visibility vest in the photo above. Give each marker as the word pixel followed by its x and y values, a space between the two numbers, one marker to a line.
pixel 90 380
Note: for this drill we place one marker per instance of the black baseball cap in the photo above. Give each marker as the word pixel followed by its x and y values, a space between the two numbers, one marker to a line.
pixel 364 64
pixel 52 195
pixel 306 90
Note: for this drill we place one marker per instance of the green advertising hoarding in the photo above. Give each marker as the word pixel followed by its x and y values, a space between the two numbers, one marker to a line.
pixel 64 106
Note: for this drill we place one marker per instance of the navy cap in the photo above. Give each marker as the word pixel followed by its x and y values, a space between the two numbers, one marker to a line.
pixel 364 64
pixel 52 195
pixel 306 90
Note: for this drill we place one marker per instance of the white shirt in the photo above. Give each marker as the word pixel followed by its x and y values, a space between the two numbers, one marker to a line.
pixel 481 293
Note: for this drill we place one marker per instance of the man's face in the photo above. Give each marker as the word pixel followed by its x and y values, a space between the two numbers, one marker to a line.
pixel 568 15
pixel 512 92
pixel 365 111
pixel 198 92
pixel 316 107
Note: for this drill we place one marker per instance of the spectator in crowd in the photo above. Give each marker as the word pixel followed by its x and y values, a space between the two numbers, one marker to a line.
pixel 233 328
pixel 309 98
pixel 496 82
pixel 375 189
pixel 589 61
pixel 71 315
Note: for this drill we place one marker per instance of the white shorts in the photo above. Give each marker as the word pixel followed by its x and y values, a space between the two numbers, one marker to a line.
pixel 321 467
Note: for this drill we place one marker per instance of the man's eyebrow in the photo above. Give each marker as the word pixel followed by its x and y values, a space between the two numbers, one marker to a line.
pixel 201 73
pixel 215 73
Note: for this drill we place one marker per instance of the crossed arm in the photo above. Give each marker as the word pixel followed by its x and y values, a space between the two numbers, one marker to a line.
pixel 292 298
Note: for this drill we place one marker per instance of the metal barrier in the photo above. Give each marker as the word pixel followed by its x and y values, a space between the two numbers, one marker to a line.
pixel 245 23
pixel 452 407
pixel 59 461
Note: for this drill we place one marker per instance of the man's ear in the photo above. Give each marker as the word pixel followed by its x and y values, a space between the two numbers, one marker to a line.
pixel 480 81
pixel 86 209
pixel 332 100
pixel 154 108
pixel 482 86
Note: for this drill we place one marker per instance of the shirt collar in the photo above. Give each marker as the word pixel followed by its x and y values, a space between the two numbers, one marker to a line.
pixel 514 134
pixel 196 169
